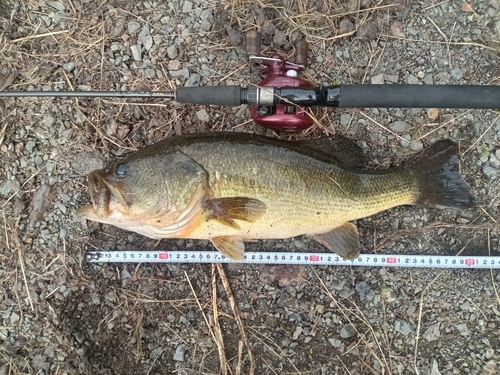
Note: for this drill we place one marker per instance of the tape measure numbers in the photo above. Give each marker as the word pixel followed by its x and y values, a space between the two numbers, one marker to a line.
pixel 321 259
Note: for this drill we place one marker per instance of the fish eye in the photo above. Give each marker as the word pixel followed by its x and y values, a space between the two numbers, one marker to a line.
pixel 121 169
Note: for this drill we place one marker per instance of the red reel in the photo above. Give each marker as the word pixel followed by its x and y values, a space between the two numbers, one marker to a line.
pixel 280 73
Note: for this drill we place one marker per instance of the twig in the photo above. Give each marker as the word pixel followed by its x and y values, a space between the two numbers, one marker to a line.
pixel 491 270
pixel 240 352
pixel 236 314
pixel 362 318
pixel 39 36
pixel 482 135
pixel 417 336
pixel 218 333
pixel 21 262
pixel 383 127
pixel 201 308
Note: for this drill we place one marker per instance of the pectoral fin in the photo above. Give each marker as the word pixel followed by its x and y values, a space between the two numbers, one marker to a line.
pixel 343 240
pixel 231 247
pixel 226 210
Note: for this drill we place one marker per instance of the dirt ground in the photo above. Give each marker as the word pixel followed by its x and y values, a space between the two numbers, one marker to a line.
pixel 61 315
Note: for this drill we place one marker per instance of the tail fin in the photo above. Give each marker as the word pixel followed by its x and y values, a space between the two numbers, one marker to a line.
pixel 440 183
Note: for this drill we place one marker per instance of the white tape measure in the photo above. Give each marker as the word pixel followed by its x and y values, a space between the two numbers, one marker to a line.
pixel 320 259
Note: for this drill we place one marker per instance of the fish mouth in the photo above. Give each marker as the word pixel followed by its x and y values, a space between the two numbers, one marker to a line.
pixel 105 197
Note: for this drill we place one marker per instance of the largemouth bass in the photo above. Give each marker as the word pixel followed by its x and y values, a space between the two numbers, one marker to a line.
pixel 235 187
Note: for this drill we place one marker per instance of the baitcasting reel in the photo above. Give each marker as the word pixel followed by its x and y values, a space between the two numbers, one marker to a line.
pixel 280 73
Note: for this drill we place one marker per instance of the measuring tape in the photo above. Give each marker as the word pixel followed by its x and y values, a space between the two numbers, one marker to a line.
pixel 320 259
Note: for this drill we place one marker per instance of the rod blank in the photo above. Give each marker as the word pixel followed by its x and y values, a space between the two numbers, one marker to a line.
pixel 87 94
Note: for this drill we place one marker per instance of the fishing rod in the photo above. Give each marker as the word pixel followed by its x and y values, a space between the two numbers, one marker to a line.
pixel 277 102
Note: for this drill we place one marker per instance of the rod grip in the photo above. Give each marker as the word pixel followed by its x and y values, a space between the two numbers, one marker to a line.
pixel 420 96
pixel 211 95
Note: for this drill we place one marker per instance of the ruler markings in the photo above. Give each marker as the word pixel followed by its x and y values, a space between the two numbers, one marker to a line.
pixel 365 260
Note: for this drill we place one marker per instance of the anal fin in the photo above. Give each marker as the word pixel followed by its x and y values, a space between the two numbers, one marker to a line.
pixel 343 240
pixel 231 247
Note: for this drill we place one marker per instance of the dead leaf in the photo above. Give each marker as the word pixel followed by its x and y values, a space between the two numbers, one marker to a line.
pixel 466 7
pixel 397 29
pixel 433 113
pixel 285 275
pixel 42 201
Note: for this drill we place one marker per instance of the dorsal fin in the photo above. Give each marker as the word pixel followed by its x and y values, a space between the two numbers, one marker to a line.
pixel 336 149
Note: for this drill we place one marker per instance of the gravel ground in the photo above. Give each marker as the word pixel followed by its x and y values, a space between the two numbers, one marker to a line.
pixel 63 316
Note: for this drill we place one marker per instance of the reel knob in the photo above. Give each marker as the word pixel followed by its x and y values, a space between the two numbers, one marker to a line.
pixel 253 41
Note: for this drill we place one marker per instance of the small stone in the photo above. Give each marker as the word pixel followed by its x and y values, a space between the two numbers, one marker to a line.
pixel 180 352
pixel 466 306
pixel 124 274
pixel 345 26
pixel 462 328
pixel 345 119
pixel 187 6
pixel 399 126
pixel 150 73
pixel 296 334
pixel 172 53
pixel 338 285
pixel 406 141
pixel 57 5
pixel 476 128
pixel 193 80
pixel 393 78
pixel 346 293
pixel 203 115
pixel 179 73
pixel 30 146
pixel 363 290
pixel 48 121
pixel 206 342
pixel 14 318
pixel 144 33
pixel 88 161
pixel 416 145
pixel 6 187
pixel 434 368
pixel 234 36
pixel 136 52
pixel 369 30
pixel 156 352
pixel 491 172
pixel 69 67
pixel 49 352
pixel 412 80
pixel 336 343
pixel 174 65
pixel 378 79
pixel 347 331
pixel 429 79
pixel 284 300
pixel 456 74
pixel 489 353
pixel 207 19
pixel 133 26
pixel 147 42
pixel 432 333
pixel 402 326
